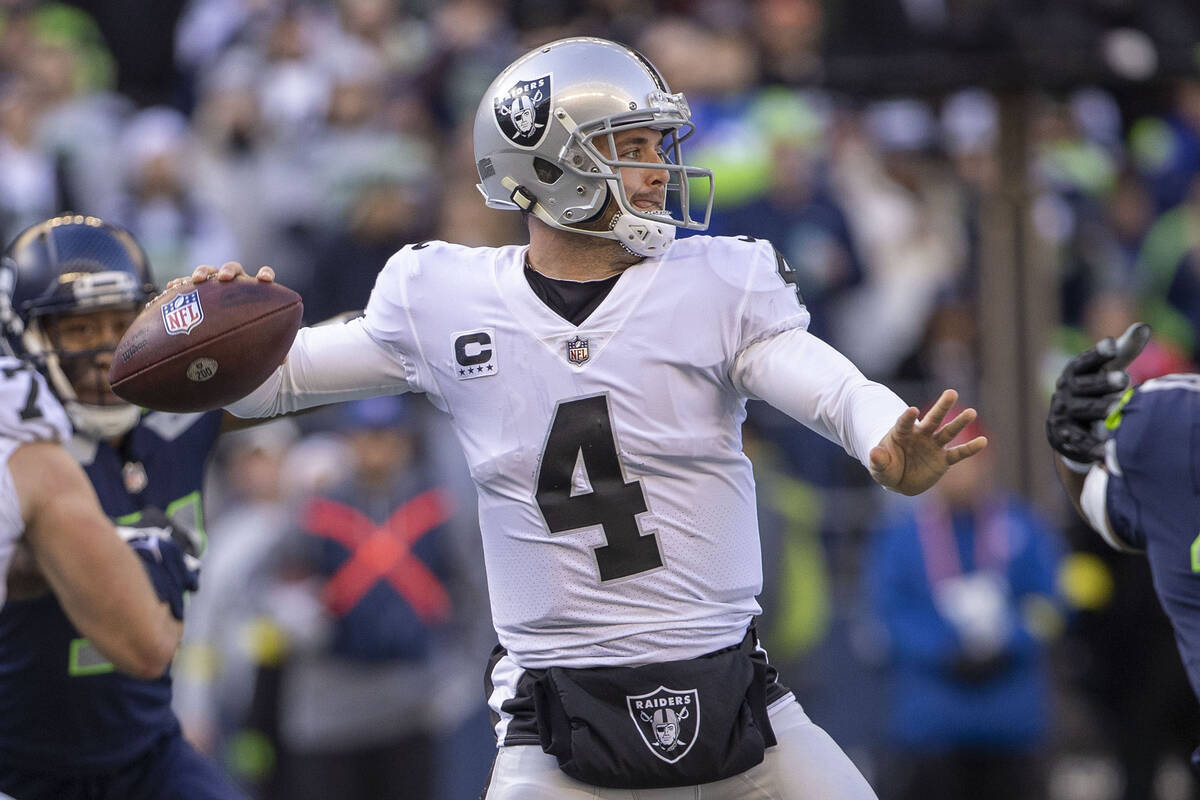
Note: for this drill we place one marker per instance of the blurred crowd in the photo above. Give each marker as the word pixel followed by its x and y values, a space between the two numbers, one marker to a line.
pixel 320 136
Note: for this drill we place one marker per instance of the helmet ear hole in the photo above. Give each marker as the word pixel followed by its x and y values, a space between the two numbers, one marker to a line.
pixel 546 172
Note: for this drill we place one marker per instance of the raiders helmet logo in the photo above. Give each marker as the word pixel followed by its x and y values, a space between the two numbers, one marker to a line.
pixel 668 721
pixel 523 111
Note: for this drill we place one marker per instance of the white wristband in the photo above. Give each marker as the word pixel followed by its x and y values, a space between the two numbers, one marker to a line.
pixel 1078 467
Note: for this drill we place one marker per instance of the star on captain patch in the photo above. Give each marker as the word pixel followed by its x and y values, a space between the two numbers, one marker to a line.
pixel 577 350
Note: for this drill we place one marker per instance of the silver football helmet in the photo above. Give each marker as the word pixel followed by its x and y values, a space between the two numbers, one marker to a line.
pixel 535 141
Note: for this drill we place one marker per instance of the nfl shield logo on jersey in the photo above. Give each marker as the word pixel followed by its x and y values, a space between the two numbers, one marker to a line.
pixel 577 350
pixel 523 111
pixel 183 312
pixel 668 721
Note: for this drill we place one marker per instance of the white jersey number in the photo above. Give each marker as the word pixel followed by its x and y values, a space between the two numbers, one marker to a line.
pixel 30 410
pixel 582 431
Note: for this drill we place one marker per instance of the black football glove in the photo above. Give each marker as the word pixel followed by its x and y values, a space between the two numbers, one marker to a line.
pixel 1088 387
pixel 169 552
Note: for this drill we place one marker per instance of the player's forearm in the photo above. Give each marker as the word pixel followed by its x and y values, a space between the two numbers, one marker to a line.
pixel 1089 494
pixel 326 364
pixel 99 582
pixel 127 623
pixel 1072 482
pixel 811 382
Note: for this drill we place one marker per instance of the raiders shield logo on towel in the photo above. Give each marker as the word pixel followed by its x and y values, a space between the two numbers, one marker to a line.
pixel 523 111
pixel 668 721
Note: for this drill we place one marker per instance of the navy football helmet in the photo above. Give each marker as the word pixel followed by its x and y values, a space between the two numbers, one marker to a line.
pixel 64 267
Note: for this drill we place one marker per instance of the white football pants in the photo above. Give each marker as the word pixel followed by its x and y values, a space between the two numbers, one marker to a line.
pixel 806 764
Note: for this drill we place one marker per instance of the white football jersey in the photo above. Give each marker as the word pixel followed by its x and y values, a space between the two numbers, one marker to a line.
pixel 29 412
pixel 617 508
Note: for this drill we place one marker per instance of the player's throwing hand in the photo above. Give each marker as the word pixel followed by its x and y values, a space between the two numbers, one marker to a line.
pixel 228 271
pixel 916 452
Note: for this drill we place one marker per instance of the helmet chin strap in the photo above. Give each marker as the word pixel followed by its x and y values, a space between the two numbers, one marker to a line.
pixel 102 422
pixel 641 236
pixel 88 420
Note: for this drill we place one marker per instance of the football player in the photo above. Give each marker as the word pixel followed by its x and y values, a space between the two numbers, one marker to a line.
pixel 76 725
pixel 598 379
pixel 1128 458
pixel 49 514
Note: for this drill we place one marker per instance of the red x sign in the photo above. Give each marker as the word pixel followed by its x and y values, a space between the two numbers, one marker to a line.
pixel 383 552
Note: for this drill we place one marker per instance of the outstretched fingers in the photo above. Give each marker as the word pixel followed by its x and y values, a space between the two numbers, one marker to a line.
pixel 227 272
pixel 201 273
pixel 933 418
pixel 964 451
pixel 945 435
pixel 908 421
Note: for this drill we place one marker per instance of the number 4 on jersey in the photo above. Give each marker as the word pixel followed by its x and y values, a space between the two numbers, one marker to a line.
pixel 583 429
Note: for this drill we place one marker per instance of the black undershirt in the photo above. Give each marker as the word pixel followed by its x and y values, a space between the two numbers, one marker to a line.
pixel 574 301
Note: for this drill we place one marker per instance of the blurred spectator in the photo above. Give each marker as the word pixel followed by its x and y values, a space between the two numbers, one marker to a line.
pixel 58 119
pixel 1169 272
pixel 1166 149
pixel 797 597
pixel 178 228
pixel 28 191
pixel 948 351
pixel 80 118
pixel 963 580
pixel 788 38
pixel 905 214
pixel 970 123
pixel 1108 245
pixel 385 216
pixel 366 686
pixel 260 187
pixel 217 661
pixel 796 210
pixel 378 188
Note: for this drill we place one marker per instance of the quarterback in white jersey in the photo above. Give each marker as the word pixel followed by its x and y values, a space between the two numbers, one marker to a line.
pixel 597 381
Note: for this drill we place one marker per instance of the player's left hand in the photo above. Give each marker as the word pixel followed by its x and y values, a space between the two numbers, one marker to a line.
pixel 1090 385
pixel 916 452
pixel 169 552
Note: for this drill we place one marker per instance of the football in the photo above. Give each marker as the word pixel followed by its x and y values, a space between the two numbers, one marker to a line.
pixel 201 346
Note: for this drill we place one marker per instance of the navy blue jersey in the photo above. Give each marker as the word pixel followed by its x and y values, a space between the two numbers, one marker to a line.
pixel 62 706
pixel 1153 498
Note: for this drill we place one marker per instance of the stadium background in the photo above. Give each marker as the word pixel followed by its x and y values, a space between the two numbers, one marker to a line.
pixel 970 190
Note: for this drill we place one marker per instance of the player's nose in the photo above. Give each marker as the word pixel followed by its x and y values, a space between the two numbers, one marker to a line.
pixel 656 177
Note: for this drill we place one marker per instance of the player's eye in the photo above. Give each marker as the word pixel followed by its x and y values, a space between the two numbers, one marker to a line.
pixel 76 330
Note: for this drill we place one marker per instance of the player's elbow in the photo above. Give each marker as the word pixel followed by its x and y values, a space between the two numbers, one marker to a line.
pixel 265 401
pixel 147 667
pixel 149 656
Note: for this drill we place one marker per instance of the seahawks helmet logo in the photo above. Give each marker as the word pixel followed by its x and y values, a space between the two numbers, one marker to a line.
pixel 523 111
